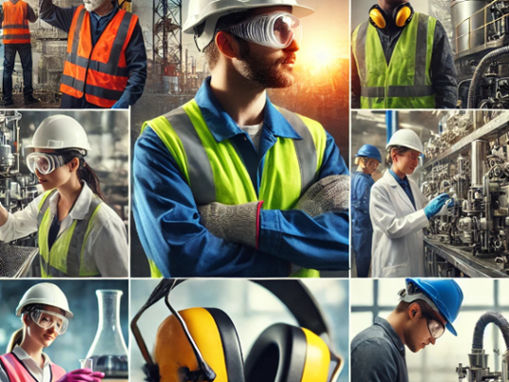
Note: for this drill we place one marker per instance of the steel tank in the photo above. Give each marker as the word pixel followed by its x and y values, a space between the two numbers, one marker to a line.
pixel 467 20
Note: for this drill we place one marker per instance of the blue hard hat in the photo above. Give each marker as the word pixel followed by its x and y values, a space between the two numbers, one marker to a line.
pixel 445 294
pixel 369 151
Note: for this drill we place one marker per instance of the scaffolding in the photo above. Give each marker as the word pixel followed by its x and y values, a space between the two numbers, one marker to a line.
pixel 167 37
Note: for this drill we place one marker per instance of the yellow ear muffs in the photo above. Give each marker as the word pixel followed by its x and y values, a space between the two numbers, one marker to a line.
pixel 216 338
pixel 403 14
pixel 377 17
pixel 286 353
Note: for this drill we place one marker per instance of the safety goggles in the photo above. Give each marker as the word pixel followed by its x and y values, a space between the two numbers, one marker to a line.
pixel 436 328
pixel 45 163
pixel 276 30
pixel 46 320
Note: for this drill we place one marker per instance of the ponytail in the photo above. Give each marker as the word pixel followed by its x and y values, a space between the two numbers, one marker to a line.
pixel 16 339
pixel 87 174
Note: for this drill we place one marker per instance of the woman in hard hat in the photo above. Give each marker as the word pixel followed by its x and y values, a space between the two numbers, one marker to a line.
pixel 367 159
pixel 45 315
pixel 399 211
pixel 78 233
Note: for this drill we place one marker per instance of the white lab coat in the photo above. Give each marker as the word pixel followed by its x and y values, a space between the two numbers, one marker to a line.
pixel 106 245
pixel 398 248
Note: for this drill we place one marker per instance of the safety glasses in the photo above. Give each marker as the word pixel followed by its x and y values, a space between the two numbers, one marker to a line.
pixel 436 328
pixel 45 163
pixel 46 320
pixel 276 30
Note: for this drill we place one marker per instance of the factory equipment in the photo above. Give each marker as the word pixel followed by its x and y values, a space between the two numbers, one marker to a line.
pixel 478 370
pixel 481 45
pixel 472 236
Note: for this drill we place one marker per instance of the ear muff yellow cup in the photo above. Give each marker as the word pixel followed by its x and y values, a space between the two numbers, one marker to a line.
pixel 401 16
pixel 286 353
pixel 214 334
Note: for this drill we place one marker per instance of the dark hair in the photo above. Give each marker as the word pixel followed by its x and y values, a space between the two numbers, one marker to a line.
pixel 85 172
pixel 426 310
pixel 224 23
pixel 400 150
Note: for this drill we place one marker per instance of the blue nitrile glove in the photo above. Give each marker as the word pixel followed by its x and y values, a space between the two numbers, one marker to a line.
pixel 436 204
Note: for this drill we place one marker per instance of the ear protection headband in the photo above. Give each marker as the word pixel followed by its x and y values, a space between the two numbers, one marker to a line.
pixel 201 344
pixel 401 16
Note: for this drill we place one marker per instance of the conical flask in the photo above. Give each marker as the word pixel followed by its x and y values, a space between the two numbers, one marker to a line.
pixel 108 351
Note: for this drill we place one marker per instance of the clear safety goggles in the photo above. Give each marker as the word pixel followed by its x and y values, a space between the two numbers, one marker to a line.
pixel 45 163
pixel 275 30
pixel 46 320
pixel 436 328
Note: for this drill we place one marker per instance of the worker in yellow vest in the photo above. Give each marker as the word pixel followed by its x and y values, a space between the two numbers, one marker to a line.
pixel 79 235
pixel 15 16
pixel 229 184
pixel 401 59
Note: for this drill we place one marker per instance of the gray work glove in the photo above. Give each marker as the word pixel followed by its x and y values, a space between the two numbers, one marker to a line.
pixel 236 223
pixel 329 194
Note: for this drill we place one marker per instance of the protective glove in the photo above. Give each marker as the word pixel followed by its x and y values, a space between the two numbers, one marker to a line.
pixel 236 223
pixel 82 375
pixel 433 207
pixel 329 194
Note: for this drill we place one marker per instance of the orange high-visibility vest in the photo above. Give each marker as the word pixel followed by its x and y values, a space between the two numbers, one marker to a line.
pixel 17 372
pixel 97 71
pixel 15 24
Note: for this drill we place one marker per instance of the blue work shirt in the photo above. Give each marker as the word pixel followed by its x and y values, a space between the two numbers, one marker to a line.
pixel 378 355
pixel 405 185
pixel 168 221
pixel 362 230
pixel 135 54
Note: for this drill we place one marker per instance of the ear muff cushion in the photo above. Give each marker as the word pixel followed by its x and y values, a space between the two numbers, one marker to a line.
pixel 212 331
pixel 231 345
pixel 403 14
pixel 377 17
pixel 278 355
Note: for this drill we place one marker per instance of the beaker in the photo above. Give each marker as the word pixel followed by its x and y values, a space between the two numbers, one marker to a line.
pixel 108 351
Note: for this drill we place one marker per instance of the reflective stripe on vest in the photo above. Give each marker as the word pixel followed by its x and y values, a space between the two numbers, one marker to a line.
pixel 15 23
pixel 215 171
pixel 17 372
pixel 405 82
pixel 65 258
pixel 97 71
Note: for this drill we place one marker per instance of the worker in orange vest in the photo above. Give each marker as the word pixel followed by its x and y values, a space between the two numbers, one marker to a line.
pixel 106 62
pixel 15 15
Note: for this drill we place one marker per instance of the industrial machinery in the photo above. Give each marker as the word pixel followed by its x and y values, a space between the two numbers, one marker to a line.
pixel 469 160
pixel 478 369
pixel 481 45
pixel 17 189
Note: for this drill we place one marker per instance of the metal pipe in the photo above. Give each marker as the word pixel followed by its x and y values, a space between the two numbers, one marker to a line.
pixel 487 318
pixel 478 148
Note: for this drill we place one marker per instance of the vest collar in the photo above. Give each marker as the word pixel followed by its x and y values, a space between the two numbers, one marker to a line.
pixel 222 126
pixel 80 208
pixel 23 355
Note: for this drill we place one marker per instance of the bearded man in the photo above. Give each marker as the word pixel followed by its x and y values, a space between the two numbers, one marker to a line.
pixel 106 62
pixel 229 184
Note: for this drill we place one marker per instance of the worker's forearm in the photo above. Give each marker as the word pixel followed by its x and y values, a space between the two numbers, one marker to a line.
pixel 56 16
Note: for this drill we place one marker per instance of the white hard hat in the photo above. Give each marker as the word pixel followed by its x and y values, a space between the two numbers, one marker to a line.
pixel 406 138
pixel 60 132
pixel 45 294
pixel 210 11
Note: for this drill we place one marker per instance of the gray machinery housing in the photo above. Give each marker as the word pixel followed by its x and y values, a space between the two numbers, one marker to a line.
pixel 470 161
pixel 481 46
